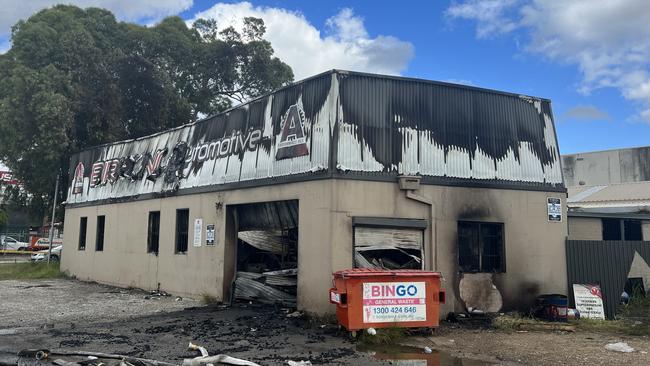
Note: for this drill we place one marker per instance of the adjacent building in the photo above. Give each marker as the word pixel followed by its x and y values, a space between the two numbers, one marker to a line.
pixel 609 194
pixel 344 169
pixel 609 202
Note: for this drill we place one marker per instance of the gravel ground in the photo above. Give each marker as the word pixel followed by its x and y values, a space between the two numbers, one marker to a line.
pixel 75 316
pixel 537 348
pixel 72 315
pixel 40 302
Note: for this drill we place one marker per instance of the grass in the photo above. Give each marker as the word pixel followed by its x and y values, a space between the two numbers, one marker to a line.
pixel 29 271
pixel 638 307
pixel 510 323
pixel 384 336
pixel 620 326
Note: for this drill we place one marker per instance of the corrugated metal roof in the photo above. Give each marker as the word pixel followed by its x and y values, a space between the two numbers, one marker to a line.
pixel 417 127
pixel 613 195
pixel 338 122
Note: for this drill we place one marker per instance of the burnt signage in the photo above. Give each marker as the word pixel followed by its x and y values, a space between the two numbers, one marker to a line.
pixel 78 184
pixel 152 165
pixel 238 142
pixel 293 140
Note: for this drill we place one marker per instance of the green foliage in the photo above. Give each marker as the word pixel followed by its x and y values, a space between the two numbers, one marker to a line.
pixel 384 336
pixel 75 78
pixel 4 218
pixel 620 326
pixel 637 308
pixel 511 323
pixel 29 271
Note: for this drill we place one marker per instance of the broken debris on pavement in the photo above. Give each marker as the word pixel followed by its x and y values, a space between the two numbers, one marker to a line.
pixel 84 358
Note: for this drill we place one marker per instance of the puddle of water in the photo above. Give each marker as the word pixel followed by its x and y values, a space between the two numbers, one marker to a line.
pixel 411 356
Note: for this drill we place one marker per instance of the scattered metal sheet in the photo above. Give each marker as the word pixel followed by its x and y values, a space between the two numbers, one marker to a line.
pixel 282 272
pixel 281 281
pixel 362 262
pixel 271 241
pixel 247 289
pixel 249 275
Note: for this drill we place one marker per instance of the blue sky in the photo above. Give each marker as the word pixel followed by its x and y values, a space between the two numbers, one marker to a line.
pixel 592 63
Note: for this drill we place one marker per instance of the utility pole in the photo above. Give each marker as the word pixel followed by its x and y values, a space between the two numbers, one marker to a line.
pixel 56 191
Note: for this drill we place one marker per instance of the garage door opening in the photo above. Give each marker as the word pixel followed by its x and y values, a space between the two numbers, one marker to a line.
pixel 388 243
pixel 267 252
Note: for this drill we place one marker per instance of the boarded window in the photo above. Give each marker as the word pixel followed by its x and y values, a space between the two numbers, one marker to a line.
pixel 480 247
pixel 83 225
pixel 182 225
pixel 389 248
pixel 153 232
pixel 99 235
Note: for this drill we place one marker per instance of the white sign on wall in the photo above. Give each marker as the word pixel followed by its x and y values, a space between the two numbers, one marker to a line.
pixel 209 234
pixel 389 302
pixel 554 206
pixel 589 301
pixel 198 228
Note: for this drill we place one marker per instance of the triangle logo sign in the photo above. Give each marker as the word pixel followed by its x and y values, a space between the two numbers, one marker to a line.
pixel 293 141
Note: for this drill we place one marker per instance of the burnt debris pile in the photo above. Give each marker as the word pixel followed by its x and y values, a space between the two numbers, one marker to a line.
pixel 267 266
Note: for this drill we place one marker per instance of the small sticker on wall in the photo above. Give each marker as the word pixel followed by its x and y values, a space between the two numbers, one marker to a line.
pixel 198 228
pixel 554 206
pixel 209 234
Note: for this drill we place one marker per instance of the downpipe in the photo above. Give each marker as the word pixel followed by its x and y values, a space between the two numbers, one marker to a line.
pixel 433 258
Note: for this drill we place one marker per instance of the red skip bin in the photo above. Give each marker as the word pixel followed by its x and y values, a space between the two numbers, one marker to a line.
pixel 375 298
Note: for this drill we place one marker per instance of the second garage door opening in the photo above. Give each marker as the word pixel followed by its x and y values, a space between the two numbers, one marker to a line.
pixel 267 252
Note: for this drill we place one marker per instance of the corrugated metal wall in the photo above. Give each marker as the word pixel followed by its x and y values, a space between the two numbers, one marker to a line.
pixel 606 263
pixel 443 130
pixel 370 125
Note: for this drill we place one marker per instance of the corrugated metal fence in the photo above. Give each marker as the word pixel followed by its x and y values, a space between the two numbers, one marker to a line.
pixel 603 262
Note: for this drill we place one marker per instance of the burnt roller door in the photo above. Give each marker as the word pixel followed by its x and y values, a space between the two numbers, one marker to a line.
pixel 267 252
pixel 388 243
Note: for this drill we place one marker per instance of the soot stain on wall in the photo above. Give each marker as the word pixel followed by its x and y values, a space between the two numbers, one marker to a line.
pixel 456 117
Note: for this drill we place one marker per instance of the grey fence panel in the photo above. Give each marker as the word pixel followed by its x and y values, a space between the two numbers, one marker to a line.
pixel 606 263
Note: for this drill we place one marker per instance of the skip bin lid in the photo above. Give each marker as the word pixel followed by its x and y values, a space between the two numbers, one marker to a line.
pixel 374 272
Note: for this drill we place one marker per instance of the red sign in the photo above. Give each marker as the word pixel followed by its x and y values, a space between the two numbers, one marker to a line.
pixel 7 178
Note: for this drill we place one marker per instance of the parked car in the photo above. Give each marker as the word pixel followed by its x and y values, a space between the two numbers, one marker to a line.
pixel 41 255
pixel 9 243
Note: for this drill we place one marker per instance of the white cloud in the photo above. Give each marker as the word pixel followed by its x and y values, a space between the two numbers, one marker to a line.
pixel 131 10
pixel 344 44
pixel 490 15
pixel 587 113
pixel 609 41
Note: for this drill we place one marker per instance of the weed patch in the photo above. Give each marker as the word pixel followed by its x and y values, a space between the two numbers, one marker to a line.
pixel 208 299
pixel 29 271
pixel 384 336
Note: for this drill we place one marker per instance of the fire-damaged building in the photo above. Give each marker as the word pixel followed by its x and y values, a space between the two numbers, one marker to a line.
pixel 265 200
